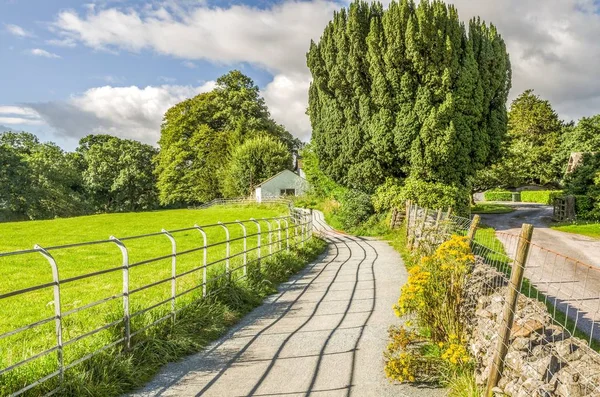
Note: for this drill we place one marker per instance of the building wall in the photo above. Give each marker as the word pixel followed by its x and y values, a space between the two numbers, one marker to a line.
pixel 285 180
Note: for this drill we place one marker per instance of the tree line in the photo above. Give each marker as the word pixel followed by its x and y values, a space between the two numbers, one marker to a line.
pixel 217 144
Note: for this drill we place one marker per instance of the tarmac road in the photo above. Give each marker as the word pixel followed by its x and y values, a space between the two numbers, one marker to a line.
pixel 565 267
pixel 323 334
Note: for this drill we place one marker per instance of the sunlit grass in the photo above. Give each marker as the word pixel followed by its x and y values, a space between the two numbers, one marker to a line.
pixel 491 208
pixel 24 271
pixel 585 229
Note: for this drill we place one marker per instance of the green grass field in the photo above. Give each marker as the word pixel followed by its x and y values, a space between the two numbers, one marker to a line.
pixel 491 208
pixel 23 271
pixel 586 229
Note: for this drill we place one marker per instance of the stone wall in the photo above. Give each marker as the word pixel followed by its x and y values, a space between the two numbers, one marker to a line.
pixel 543 359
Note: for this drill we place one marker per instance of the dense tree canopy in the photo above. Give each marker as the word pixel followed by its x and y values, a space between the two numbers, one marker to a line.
pixel 531 149
pixel 252 162
pixel 198 135
pixel 407 91
pixel 118 173
pixel 45 180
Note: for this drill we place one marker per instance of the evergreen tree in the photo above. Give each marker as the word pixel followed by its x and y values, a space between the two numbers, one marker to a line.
pixel 407 91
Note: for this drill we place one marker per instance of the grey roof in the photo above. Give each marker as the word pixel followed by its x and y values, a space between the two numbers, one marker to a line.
pixel 275 176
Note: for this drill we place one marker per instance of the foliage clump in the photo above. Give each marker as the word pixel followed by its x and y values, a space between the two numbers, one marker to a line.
pixel 584 183
pixel 435 350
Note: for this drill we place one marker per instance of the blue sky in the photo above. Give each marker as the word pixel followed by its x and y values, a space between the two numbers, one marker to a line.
pixel 72 68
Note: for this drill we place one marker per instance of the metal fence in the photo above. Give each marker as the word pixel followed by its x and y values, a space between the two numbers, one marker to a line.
pixel 244 200
pixel 102 294
pixel 543 308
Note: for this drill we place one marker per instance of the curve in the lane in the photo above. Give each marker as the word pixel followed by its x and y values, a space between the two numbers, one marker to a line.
pixel 334 330
pixel 309 318
pixel 258 334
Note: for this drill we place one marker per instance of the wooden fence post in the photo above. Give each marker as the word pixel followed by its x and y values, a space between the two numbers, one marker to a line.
pixel 473 228
pixel 408 208
pixel 510 305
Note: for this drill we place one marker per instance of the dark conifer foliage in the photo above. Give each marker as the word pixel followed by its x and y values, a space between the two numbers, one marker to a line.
pixel 407 91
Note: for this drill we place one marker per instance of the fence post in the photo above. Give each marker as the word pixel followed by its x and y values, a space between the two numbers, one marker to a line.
pixel 173 270
pixel 204 272
pixel 287 234
pixel 473 228
pixel 438 218
pixel 278 233
pixel 126 316
pixel 258 237
pixel 408 209
pixel 57 309
pixel 508 316
pixel 227 249
pixel 245 249
pixel 270 236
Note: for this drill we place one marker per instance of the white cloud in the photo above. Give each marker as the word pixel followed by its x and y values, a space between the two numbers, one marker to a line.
pixel 66 42
pixel 18 31
pixel 553 44
pixel 17 115
pixel 275 38
pixel 38 52
pixel 129 112
pixel 167 79
pixel 287 98
pixel 189 64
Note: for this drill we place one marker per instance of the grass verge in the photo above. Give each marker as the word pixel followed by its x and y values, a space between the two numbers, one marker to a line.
pixel 116 371
pixel 585 229
pixel 491 208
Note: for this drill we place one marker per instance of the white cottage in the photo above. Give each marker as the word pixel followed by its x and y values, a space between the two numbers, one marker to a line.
pixel 286 183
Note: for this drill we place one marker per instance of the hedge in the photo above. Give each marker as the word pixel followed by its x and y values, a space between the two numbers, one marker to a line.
pixel 584 207
pixel 540 196
pixel 497 195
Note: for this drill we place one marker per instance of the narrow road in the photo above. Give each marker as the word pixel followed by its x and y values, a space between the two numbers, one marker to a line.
pixel 323 334
pixel 582 248
pixel 565 267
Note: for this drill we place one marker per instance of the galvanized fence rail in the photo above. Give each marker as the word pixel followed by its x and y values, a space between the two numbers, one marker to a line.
pixel 246 243
pixel 544 295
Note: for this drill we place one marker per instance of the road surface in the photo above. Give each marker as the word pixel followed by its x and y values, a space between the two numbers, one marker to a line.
pixel 323 334
pixel 564 266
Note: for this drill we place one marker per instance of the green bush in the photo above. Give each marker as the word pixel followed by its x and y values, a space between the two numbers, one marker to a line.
pixel 586 207
pixel 356 208
pixel 497 195
pixel 540 196
pixel 436 195
pixel 388 195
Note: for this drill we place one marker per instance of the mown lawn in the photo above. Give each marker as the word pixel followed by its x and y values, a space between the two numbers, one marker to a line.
pixel 589 229
pixel 24 271
pixel 491 208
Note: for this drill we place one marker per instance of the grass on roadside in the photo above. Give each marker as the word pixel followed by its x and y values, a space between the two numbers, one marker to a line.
pixel 20 272
pixel 585 229
pixel 491 208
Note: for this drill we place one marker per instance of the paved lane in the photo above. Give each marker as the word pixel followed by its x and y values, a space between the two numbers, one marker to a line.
pixel 323 334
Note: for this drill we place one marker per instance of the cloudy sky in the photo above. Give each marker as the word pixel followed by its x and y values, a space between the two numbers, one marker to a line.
pixel 71 68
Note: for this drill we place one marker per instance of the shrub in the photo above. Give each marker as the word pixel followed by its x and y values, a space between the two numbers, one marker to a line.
pixel 435 195
pixel 435 288
pixel 389 195
pixel 586 207
pixel 355 208
pixel 540 196
pixel 497 195
pixel 433 296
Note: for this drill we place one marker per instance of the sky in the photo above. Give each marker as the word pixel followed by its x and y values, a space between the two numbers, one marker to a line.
pixel 71 68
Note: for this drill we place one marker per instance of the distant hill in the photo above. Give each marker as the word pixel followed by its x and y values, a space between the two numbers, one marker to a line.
pixel 4 128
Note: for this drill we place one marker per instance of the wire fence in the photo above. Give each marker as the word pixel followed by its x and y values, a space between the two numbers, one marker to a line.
pixel 77 300
pixel 243 200
pixel 536 327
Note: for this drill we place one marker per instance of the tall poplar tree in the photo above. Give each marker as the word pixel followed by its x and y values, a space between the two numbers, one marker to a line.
pixel 407 91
